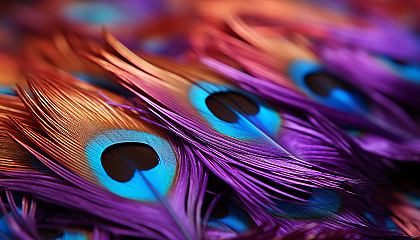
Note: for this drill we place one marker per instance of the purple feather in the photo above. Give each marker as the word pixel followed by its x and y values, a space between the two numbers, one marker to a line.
pixel 382 38
pixel 364 69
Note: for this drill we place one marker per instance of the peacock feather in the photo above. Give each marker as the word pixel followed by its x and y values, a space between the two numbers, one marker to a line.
pixel 209 119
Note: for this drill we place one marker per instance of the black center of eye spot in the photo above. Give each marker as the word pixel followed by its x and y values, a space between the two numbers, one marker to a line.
pixel 323 83
pixel 220 211
pixel 222 103
pixel 399 62
pixel 121 160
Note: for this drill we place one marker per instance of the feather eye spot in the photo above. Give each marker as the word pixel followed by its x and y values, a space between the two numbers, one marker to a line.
pixel 323 83
pixel 137 188
pixel 407 70
pixel 233 112
pixel 121 160
pixel 328 89
pixel 221 105
pixel 399 62
pixel 226 215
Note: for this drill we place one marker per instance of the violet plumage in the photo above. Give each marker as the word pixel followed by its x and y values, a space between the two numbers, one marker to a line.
pixel 209 119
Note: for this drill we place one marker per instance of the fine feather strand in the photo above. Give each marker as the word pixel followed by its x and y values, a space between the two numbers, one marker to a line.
pixel 185 125
pixel 60 116
pixel 14 157
pixel 290 66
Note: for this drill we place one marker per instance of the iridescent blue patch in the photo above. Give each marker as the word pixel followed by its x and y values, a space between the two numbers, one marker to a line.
pixel 96 12
pixel 5 231
pixel 409 71
pixel 389 224
pixel 266 120
pixel 73 236
pixel 161 176
pixel 341 99
pixel 7 90
pixel 236 220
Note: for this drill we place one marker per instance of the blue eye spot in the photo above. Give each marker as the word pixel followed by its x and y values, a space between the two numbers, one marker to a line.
pixel 226 105
pixel 221 104
pixel 157 163
pixel 226 215
pixel 326 88
pixel 406 70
